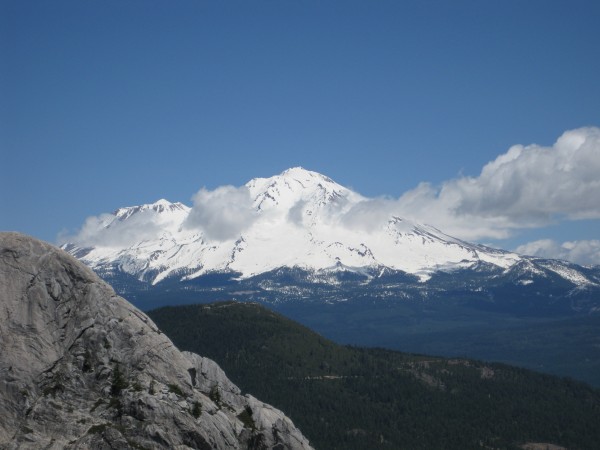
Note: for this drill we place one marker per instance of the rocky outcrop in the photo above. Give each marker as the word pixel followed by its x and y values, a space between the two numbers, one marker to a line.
pixel 81 368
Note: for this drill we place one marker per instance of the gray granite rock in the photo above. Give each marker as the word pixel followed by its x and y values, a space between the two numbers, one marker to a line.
pixel 81 368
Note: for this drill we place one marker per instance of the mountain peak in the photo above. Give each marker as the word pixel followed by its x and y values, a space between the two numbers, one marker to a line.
pixel 293 186
pixel 163 205
pixel 300 173
pixel 160 206
pixel 162 202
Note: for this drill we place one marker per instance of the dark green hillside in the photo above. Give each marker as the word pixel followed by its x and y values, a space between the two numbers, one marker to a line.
pixel 353 398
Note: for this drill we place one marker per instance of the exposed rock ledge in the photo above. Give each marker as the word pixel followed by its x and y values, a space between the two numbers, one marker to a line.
pixel 81 368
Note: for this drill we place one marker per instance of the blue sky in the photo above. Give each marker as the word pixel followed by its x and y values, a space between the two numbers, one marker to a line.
pixel 112 103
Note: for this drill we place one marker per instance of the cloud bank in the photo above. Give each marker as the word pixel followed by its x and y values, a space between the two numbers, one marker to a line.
pixel 107 231
pixel 223 213
pixel 586 252
pixel 528 186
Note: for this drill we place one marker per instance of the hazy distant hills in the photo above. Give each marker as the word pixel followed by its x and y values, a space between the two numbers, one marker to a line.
pixel 355 398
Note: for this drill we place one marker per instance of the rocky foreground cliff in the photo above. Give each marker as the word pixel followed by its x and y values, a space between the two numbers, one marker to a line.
pixel 81 368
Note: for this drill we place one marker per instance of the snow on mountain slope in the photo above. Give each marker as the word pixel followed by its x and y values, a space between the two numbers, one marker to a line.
pixel 299 219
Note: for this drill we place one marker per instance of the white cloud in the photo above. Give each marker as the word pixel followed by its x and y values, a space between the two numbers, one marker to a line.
pixel 528 186
pixel 369 214
pixel 223 213
pixel 107 231
pixel 586 252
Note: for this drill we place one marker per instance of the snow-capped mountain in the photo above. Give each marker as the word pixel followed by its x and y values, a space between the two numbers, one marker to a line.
pixel 298 219
pixel 300 236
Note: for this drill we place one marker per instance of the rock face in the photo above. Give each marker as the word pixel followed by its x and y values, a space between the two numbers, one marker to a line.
pixel 81 368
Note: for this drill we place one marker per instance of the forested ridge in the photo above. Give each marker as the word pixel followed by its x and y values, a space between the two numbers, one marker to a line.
pixel 355 398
